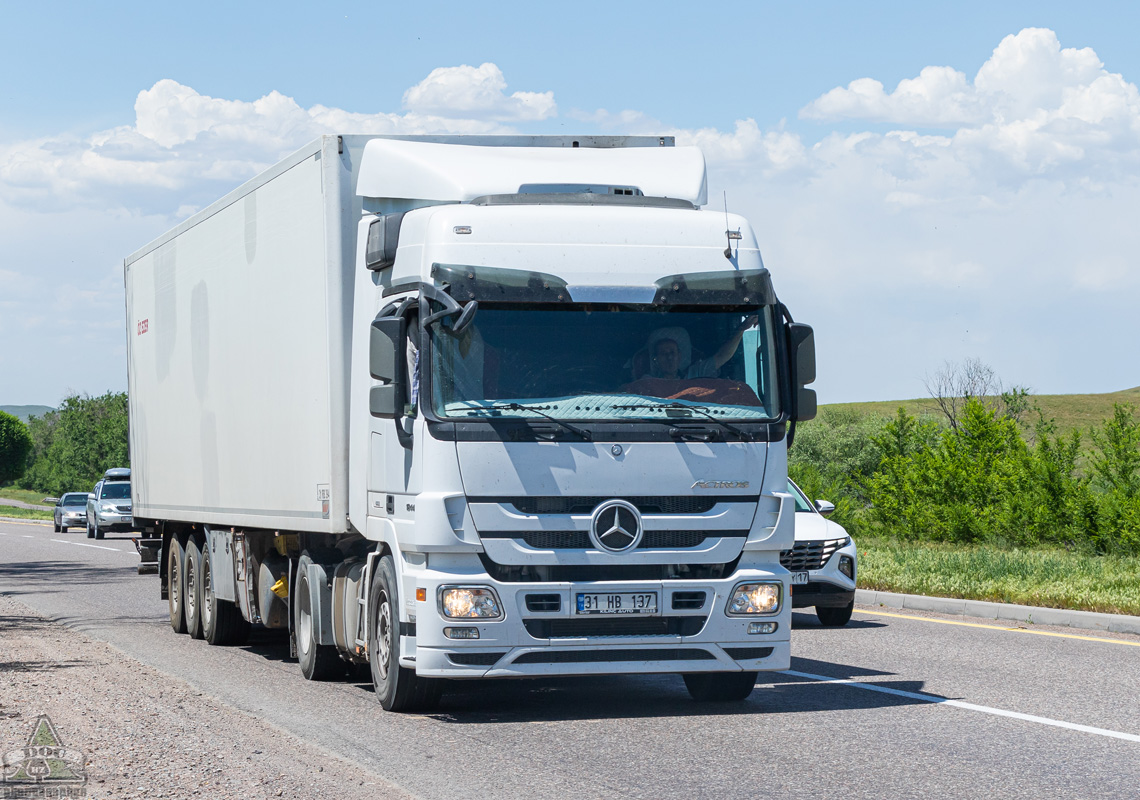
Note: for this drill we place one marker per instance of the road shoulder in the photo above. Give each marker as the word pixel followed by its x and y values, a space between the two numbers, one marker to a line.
pixel 146 734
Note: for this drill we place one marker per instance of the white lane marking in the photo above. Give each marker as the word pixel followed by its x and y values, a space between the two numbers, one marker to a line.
pixel 26 536
pixel 1000 712
pixel 84 544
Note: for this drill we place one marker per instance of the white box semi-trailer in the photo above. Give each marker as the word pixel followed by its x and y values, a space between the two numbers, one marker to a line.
pixel 466 407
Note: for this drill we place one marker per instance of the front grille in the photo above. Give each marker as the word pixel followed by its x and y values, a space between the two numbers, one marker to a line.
pixel 688 600
pixel 586 505
pixel 580 540
pixel 809 555
pixel 575 573
pixel 748 653
pixel 641 654
pixel 543 602
pixel 815 587
pixel 474 659
pixel 626 626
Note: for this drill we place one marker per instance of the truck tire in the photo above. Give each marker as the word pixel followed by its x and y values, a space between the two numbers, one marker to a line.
pixel 222 622
pixel 175 567
pixel 319 662
pixel 192 587
pixel 720 687
pixel 397 688
pixel 835 617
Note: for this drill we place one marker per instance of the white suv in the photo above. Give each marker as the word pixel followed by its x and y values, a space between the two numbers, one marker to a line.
pixel 109 504
pixel 822 562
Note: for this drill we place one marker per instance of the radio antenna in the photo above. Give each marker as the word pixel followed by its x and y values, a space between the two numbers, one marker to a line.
pixel 729 235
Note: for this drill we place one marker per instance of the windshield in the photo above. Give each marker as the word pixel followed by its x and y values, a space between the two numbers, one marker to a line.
pixel 601 361
pixel 116 491
pixel 74 500
pixel 802 503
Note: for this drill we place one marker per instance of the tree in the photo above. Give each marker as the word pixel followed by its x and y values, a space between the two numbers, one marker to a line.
pixel 74 446
pixel 15 446
pixel 955 385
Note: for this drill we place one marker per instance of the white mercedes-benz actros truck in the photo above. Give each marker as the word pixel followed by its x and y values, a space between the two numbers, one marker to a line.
pixel 471 407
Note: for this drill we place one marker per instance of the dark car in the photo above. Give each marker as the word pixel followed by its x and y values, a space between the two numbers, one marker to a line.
pixel 71 511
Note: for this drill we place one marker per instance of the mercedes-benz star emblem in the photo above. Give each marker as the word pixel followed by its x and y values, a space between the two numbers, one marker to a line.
pixel 616 526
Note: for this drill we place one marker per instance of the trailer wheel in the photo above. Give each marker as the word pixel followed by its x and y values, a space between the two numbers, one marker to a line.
pixel 222 622
pixel 835 617
pixel 192 587
pixel 175 566
pixel 397 688
pixel 319 662
pixel 720 687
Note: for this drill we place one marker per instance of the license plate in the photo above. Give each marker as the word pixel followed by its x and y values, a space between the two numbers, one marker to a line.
pixel 799 578
pixel 617 603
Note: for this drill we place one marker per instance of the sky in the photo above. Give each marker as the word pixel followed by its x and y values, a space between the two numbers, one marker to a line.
pixel 929 182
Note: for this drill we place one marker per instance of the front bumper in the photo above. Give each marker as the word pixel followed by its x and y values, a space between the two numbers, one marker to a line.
pixel 524 642
pixel 827 587
pixel 115 522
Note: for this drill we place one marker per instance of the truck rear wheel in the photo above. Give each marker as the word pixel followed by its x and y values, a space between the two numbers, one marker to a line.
pixel 192 587
pixel 175 566
pixel 397 688
pixel 720 687
pixel 222 622
pixel 319 662
pixel 835 617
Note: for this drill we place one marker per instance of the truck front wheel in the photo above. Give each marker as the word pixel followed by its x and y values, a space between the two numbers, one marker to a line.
pixel 397 688
pixel 175 566
pixel 720 687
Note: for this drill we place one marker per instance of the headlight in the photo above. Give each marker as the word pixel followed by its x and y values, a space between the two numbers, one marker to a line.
pixel 754 598
pixel 468 602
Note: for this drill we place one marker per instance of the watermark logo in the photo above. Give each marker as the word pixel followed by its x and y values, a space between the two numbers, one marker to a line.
pixel 43 768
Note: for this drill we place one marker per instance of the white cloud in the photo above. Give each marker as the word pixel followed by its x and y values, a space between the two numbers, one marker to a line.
pixel 186 149
pixel 479 93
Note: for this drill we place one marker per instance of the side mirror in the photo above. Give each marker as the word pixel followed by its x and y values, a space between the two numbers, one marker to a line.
pixel 824 507
pixel 801 354
pixel 383 237
pixel 386 363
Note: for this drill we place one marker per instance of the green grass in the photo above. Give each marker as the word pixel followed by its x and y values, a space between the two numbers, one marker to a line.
pixel 1039 577
pixel 25 513
pixel 23 495
pixel 1069 411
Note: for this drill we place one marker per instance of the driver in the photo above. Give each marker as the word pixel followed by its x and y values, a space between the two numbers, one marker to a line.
pixel 670 353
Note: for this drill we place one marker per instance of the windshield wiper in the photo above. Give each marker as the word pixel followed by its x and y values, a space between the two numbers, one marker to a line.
pixel 702 410
pixel 585 434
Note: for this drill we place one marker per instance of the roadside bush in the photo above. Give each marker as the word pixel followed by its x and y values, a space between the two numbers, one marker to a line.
pixel 15 446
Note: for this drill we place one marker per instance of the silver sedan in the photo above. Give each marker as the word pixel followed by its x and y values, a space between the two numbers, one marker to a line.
pixel 71 511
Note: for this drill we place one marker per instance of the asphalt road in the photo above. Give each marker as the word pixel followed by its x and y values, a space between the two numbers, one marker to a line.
pixel 895 705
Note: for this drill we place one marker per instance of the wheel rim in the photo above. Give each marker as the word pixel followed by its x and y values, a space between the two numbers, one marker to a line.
pixel 190 604
pixel 383 636
pixel 305 617
pixel 207 598
pixel 174 588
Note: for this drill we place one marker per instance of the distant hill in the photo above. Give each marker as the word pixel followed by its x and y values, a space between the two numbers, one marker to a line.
pixel 1070 411
pixel 23 412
